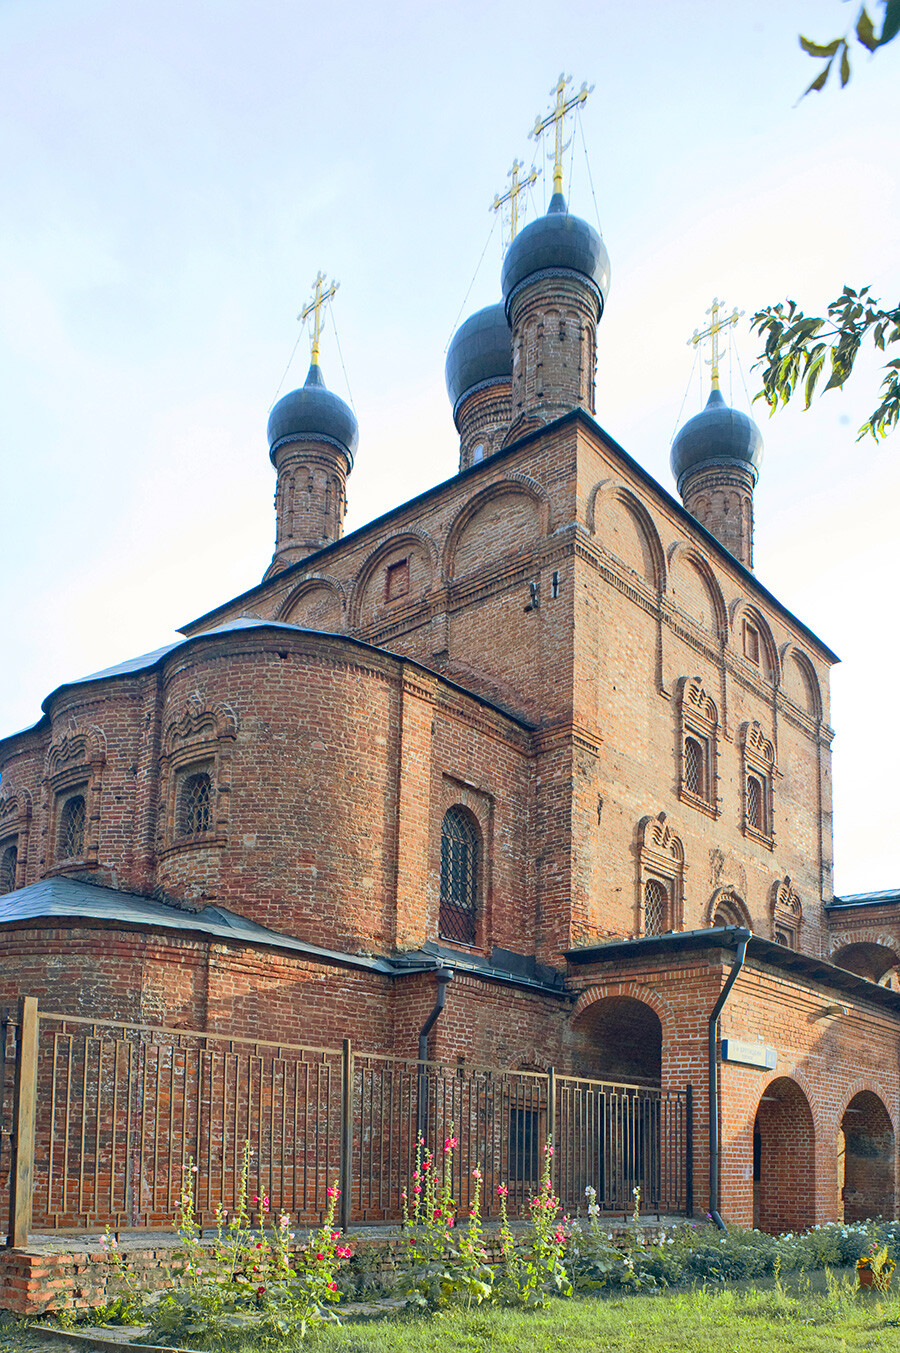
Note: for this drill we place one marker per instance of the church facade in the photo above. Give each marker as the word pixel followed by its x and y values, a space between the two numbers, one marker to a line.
pixel 541 727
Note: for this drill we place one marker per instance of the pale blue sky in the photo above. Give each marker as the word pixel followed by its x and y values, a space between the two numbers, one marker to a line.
pixel 175 173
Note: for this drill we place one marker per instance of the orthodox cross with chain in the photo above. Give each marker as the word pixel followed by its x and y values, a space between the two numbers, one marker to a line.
pixel 712 331
pixel 556 118
pixel 315 308
pixel 512 196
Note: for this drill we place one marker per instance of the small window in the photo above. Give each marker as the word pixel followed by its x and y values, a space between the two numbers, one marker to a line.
pixel 459 877
pixel 656 907
pixel 477 452
pixel 195 804
pixel 756 804
pixel 70 838
pixel 9 859
pixel 785 937
pixel 751 643
pixel 397 580
pixel 695 760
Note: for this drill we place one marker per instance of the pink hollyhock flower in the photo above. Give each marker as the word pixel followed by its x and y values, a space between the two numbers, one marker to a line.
pixel 476 1173
pixel 320 1257
pixel 331 1191
pixel 332 1287
pixel 502 1191
pixel 259 1291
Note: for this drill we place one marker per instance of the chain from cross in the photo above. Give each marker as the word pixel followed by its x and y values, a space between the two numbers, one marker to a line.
pixel 712 331
pixel 563 107
pixel 315 308
pixel 512 196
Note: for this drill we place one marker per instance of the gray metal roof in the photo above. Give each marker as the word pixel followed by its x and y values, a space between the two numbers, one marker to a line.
pixel 71 899
pixel 881 899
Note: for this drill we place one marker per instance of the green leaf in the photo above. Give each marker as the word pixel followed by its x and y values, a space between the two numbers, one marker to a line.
pixel 819 82
pixel 865 31
pixel 891 26
pixel 820 49
pixel 845 66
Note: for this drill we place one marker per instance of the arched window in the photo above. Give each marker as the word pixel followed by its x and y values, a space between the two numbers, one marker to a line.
pixel 8 861
pixel 195 804
pixel 755 803
pixel 729 910
pixel 695 768
pixel 459 877
pixel 759 784
pixel 70 840
pixel 656 907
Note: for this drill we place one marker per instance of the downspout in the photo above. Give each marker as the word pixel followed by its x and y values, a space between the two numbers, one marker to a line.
pixel 442 976
pixel 744 937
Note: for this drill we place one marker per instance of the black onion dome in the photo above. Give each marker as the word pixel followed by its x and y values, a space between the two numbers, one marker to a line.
pixel 717 436
pixel 480 353
pixel 313 413
pixel 557 242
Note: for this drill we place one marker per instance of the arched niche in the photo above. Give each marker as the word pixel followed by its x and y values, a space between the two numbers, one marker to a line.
pixel 624 527
pixel 783 1159
pixel 727 907
pixel 504 519
pixel 625 1037
pixel 752 640
pixel 317 604
pixel 865 1159
pixel 694 590
pixel 400 571
pixel 799 681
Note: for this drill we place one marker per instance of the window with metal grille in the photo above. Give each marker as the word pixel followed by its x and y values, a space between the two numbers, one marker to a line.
pixel 8 861
pixel 785 937
pixel 70 839
pixel 656 906
pixel 756 804
pixel 194 804
pixel 695 758
pixel 524 1146
pixel 459 877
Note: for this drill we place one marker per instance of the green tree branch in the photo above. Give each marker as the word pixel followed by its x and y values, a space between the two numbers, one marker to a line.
pixel 800 349
pixel 838 50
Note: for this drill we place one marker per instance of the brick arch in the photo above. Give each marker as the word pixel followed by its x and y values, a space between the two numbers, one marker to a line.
pixel 791 653
pixel 413 537
pixel 729 893
pixel 820 1123
pixel 80 744
pixel 874 1088
pixel 741 610
pixel 509 484
pixel 680 554
pixel 311 583
pixel 647 995
pixel 201 722
pixel 842 938
pixel 789 1130
pixel 614 489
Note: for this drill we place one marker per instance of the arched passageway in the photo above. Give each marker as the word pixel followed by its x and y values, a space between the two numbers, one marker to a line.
pixel 866 1159
pixel 876 962
pixel 783 1159
pixel 625 1037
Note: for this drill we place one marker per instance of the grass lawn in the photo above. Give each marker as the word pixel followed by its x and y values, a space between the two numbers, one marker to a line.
pixel 815 1313
pixel 802 1315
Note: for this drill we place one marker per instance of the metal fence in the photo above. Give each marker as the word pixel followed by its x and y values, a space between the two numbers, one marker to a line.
pixel 107 1123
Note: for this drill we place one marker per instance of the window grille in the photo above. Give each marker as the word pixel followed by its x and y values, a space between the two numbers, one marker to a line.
pixel 459 877
pixel 194 805
pixel 71 828
pixel 524 1146
pixel 8 862
pixel 755 803
pixel 695 767
pixel 655 907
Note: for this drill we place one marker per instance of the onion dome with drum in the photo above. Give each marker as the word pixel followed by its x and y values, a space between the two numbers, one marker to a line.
pixel 554 245
pixel 717 436
pixel 480 354
pixel 313 413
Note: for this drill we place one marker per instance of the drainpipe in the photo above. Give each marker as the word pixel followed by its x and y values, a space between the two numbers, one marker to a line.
pixel 442 976
pixel 743 936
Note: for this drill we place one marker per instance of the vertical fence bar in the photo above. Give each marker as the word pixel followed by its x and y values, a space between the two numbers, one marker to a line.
pixel 689 1150
pixel 24 1114
pixel 551 1121
pixel 346 1133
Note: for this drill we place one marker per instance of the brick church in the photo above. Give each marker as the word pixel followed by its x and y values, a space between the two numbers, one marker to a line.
pixel 541 728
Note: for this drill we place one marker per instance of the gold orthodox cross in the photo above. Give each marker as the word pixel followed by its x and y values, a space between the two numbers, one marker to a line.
pixel 715 327
pixel 556 117
pixel 315 308
pixel 512 196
